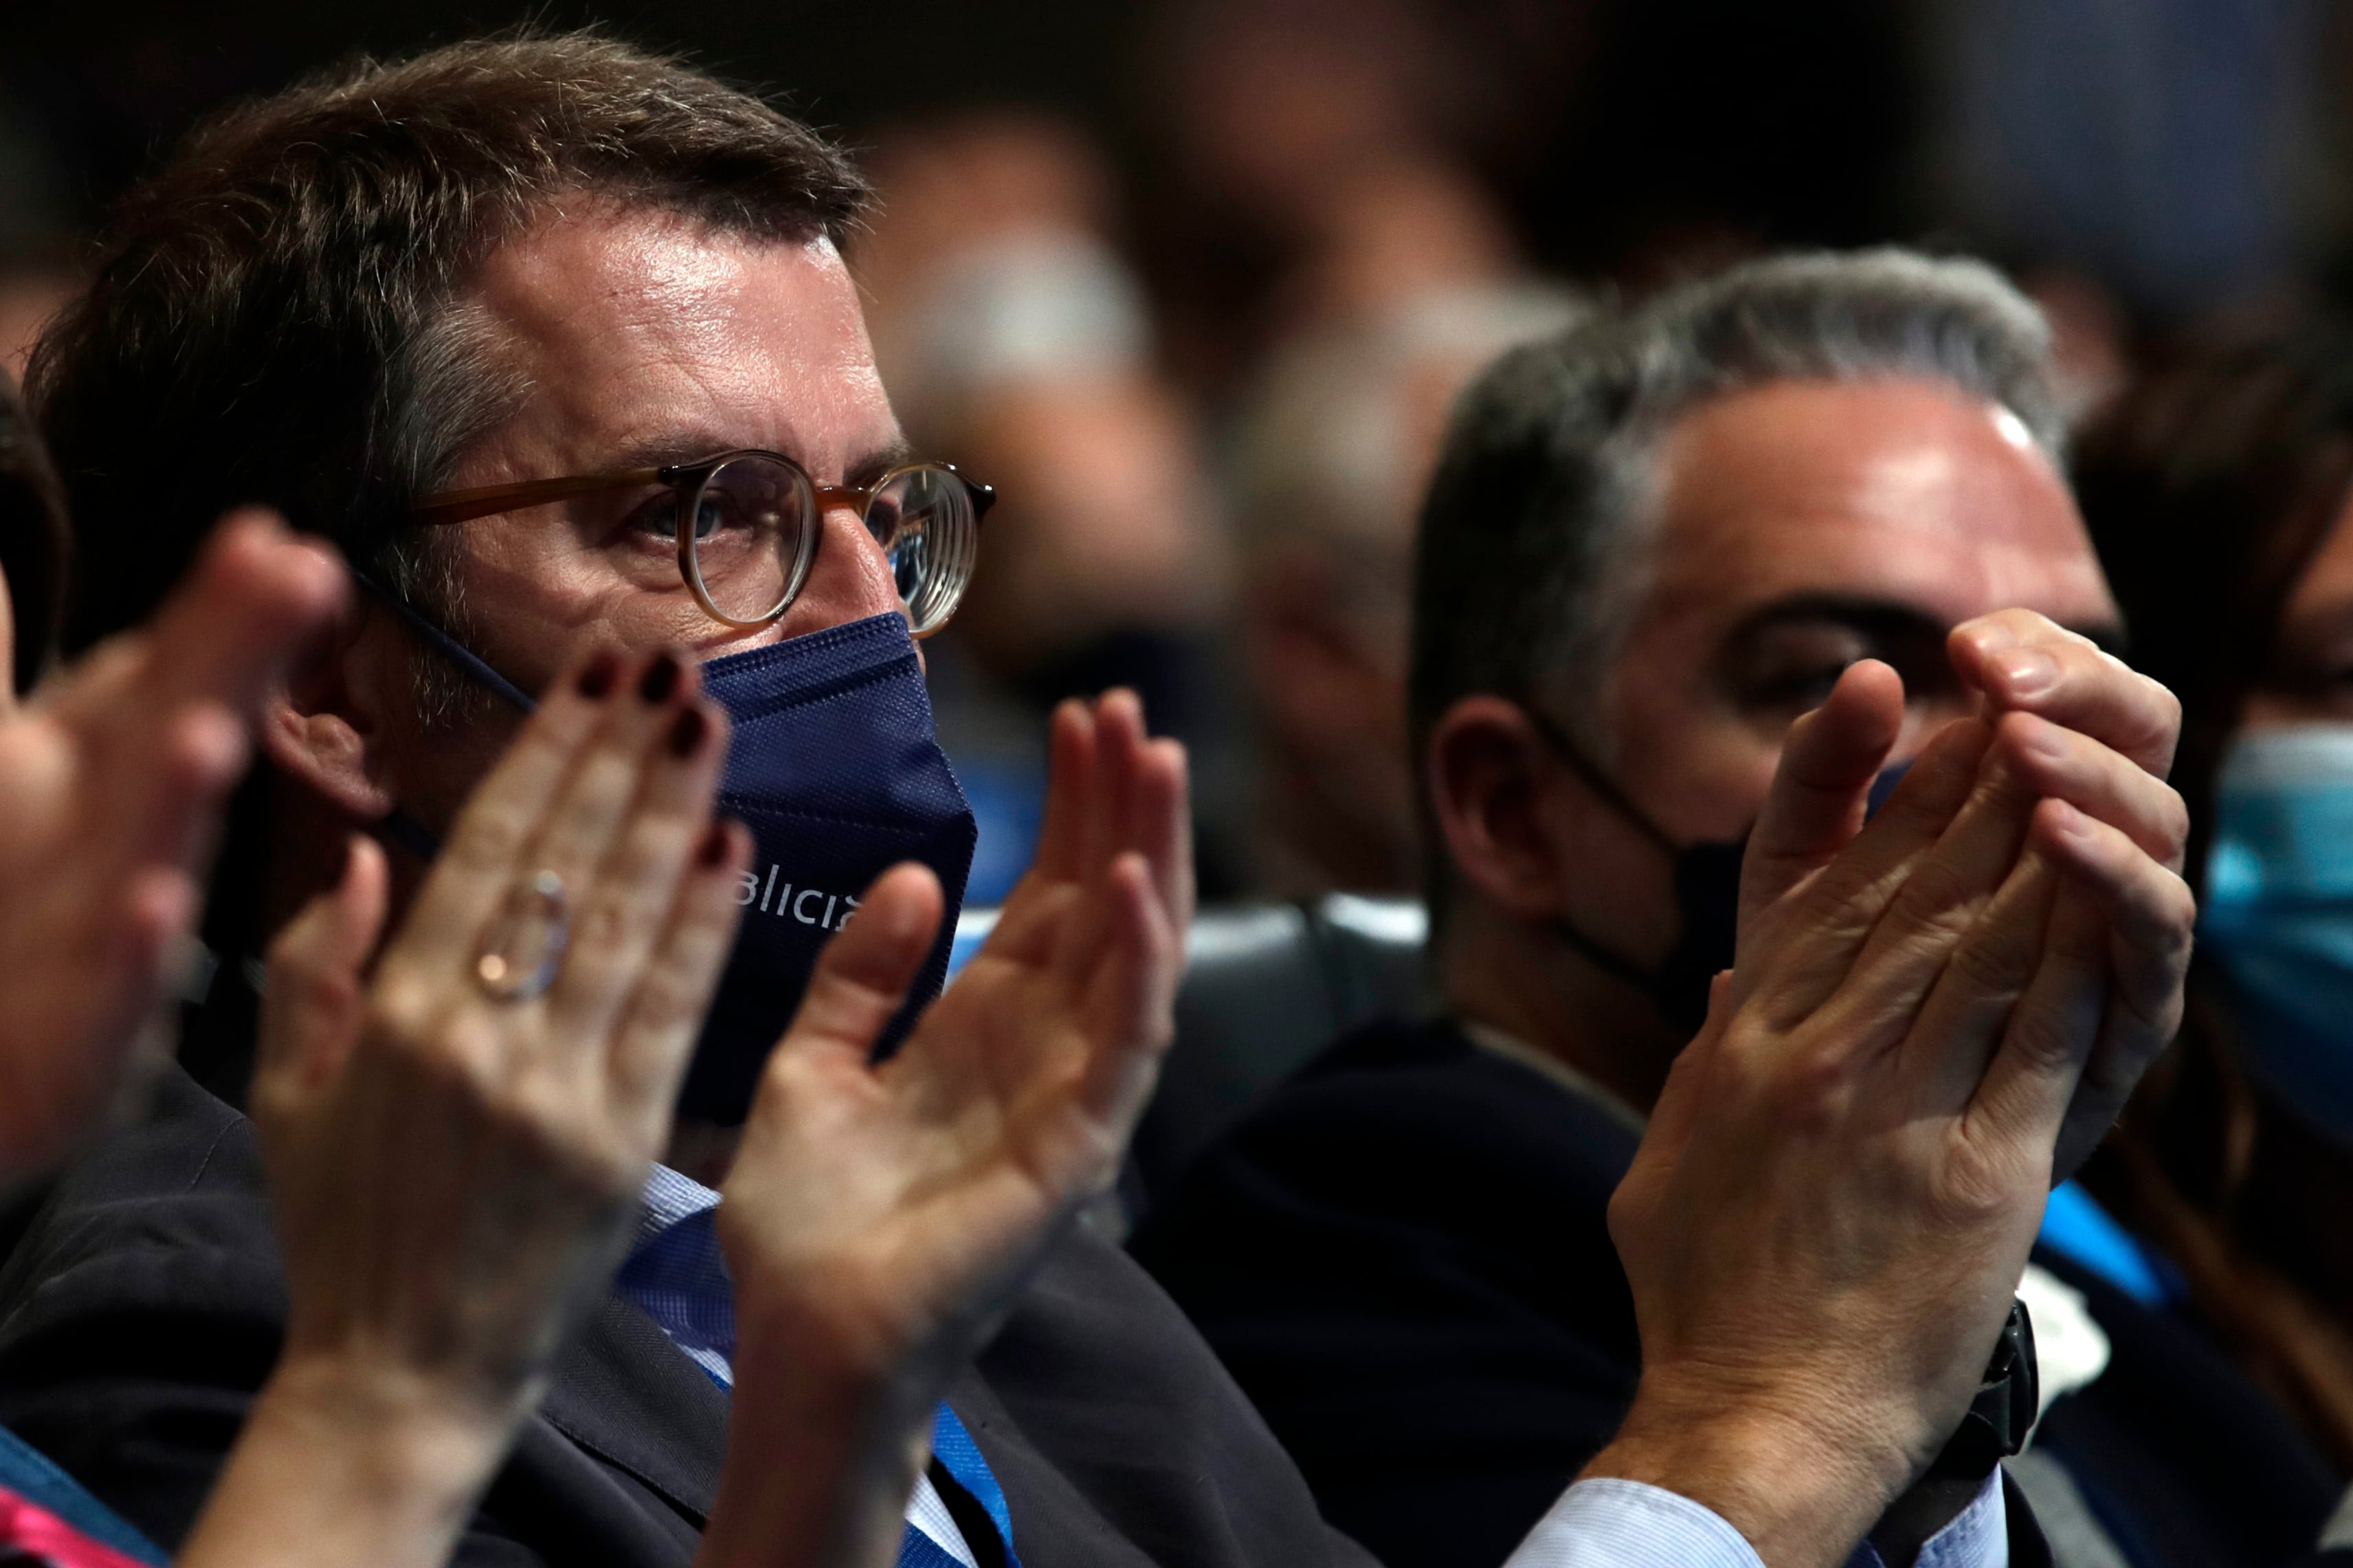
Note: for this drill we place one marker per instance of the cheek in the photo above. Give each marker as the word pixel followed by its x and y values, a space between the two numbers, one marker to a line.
pixel 1700 769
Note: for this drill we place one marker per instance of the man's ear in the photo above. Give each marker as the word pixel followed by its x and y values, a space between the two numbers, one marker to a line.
pixel 324 729
pixel 1491 780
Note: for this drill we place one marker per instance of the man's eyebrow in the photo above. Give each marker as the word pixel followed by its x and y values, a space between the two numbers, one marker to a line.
pixel 666 448
pixel 1884 620
pixel 1893 619
pixel 877 462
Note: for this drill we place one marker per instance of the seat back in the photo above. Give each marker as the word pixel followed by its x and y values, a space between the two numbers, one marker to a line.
pixel 1268 987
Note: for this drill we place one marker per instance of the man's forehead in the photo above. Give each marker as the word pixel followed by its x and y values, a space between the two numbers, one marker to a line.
pixel 630 327
pixel 1905 492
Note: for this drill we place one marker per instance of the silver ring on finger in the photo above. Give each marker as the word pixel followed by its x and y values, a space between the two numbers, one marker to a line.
pixel 523 948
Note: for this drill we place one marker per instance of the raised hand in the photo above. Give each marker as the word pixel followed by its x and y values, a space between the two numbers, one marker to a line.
pixel 115 776
pixel 1846 1169
pixel 2083 730
pixel 454 1145
pixel 879 1216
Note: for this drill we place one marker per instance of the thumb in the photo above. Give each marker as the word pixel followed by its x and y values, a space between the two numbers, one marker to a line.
pixel 310 1014
pixel 862 976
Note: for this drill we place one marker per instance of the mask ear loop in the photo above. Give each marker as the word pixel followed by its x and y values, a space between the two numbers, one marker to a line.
pixel 1651 983
pixel 450 647
pixel 1594 779
pixel 397 825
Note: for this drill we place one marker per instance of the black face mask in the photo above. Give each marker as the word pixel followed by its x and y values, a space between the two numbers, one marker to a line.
pixel 1708 894
pixel 1707 901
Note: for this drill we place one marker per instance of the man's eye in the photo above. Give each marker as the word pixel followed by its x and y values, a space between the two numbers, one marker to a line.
pixel 1799 689
pixel 657 517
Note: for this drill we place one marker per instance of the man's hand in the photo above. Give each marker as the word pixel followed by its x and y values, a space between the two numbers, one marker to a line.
pixel 2083 728
pixel 115 777
pixel 879 1217
pixel 1847 1167
pixel 454 1169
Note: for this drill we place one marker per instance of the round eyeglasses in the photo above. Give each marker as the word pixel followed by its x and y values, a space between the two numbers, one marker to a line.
pixel 748 525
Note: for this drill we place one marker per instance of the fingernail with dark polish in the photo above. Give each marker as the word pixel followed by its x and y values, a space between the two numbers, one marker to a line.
pixel 660 678
pixel 687 730
pixel 713 848
pixel 597 678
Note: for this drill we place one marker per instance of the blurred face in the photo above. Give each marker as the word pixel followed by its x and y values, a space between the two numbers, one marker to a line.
pixel 1804 525
pixel 645 340
pixel 2314 679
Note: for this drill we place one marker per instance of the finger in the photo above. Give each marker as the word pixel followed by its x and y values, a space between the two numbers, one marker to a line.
pixel 862 975
pixel 1806 947
pixel 664 1016
pixel 174 799
pixel 1164 815
pixel 1112 828
pixel 2024 663
pixel 1030 927
pixel 1070 765
pixel 311 1011
pixel 501 819
pixel 584 821
pixel 255 597
pixel 1119 742
pixel 2141 918
pixel 1931 921
pixel 2105 784
pixel 1138 991
pixel 630 895
pixel 1815 804
pixel 1974 1009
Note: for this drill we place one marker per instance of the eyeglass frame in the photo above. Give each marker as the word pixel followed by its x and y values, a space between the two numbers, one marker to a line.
pixel 687 481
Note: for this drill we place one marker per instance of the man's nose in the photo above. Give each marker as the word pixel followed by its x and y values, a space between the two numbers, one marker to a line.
pixel 851 579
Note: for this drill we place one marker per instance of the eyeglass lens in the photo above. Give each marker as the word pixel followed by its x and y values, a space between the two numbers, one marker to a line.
pixel 756 530
pixel 753 535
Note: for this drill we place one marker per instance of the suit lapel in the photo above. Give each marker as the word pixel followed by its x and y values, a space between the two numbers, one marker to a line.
pixel 626 1393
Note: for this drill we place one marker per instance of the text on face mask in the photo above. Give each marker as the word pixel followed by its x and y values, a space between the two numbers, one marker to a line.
pixel 810 906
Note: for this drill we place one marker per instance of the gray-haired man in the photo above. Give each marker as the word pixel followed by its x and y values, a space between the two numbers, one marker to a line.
pixel 1654 541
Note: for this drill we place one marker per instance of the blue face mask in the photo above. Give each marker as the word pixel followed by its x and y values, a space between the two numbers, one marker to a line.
pixel 2278 913
pixel 835 769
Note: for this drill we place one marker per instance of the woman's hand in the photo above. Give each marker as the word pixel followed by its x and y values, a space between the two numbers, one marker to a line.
pixel 115 776
pixel 454 1149
pixel 879 1217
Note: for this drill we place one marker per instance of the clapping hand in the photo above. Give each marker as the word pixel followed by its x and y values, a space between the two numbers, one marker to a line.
pixel 1847 1167
pixel 455 1142
pixel 115 774
pixel 880 1215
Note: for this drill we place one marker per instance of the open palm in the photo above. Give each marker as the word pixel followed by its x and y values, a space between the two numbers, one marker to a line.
pixel 891 1208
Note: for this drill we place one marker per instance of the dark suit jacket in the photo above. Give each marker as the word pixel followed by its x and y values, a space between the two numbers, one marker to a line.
pixel 1404 1257
pixel 144 1303
pixel 2180 1458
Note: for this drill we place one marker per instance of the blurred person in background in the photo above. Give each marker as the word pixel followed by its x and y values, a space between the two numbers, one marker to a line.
pixel 1012 333
pixel 1330 456
pixel 1653 542
pixel 2219 489
pixel 1314 170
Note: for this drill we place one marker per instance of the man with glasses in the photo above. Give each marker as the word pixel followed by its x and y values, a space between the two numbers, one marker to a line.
pixel 554 339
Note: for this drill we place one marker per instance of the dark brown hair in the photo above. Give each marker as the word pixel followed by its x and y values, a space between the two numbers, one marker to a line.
pixel 2209 485
pixel 32 537
pixel 274 316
